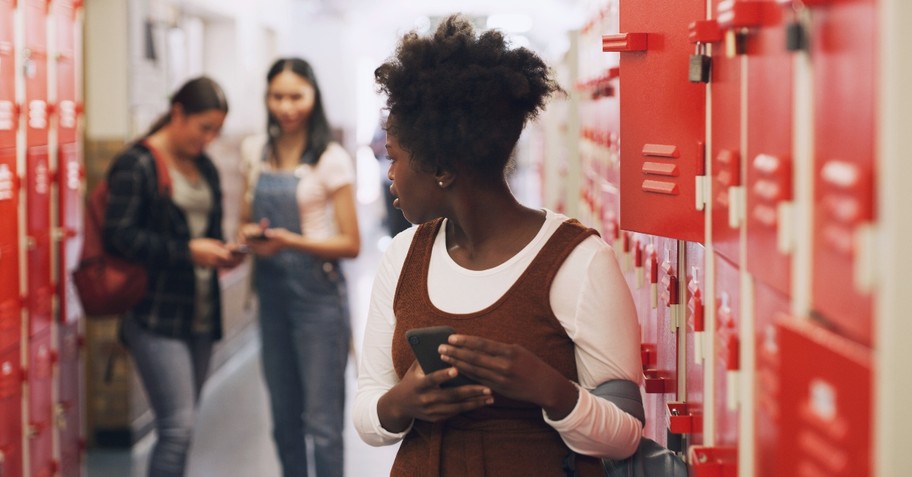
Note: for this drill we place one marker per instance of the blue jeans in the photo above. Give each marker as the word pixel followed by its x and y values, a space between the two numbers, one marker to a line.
pixel 306 333
pixel 173 372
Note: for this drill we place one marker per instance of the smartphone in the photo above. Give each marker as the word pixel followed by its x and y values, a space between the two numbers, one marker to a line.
pixel 259 237
pixel 424 343
pixel 241 249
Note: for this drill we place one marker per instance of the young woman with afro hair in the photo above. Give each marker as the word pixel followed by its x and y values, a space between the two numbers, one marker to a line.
pixel 538 301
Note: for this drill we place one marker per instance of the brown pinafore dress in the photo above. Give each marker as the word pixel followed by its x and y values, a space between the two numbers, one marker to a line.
pixel 508 438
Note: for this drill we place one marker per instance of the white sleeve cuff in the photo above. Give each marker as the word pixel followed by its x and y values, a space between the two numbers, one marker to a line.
pixel 386 437
pixel 597 427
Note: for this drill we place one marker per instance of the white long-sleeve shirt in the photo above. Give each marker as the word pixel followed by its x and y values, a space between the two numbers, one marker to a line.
pixel 589 297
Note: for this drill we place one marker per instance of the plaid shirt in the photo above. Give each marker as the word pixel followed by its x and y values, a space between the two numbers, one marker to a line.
pixel 142 225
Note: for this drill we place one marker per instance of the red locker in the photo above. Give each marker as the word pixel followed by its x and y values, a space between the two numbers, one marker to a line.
pixel 10 300
pixel 659 300
pixel 70 206
pixel 40 405
pixel 40 292
pixel 686 415
pixel 10 413
pixel 8 110
pixel 64 19
pixel 634 261
pixel 34 70
pixel 769 150
pixel 38 173
pixel 826 402
pixel 663 117
pixel 727 348
pixel 726 153
pixel 769 303
pixel 843 51
pixel 69 430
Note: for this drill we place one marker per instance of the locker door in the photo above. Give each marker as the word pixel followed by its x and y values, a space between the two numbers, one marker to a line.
pixel 67 411
pixel 40 406
pixel 10 300
pixel 34 58
pixel 686 415
pixel 38 229
pixel 721 459
pixel 64 20
pixel 633 264
pixel 70 205
pixel 664 277
pixel 768 158
pixel 8 116
pixel 826 408
pixel 726 153
pixel 663 117
pixel 769 303
pixel 10 413
pixel 660 266
pixel 38 181
pixel 843 51
pixel 727 348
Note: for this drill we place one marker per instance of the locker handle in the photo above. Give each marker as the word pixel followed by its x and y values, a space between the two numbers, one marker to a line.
pixel 624 42
pixel 658 381
pixel 712 461
pixel 683 418
pixel 740 13
pixel 705 31
pixel 647 355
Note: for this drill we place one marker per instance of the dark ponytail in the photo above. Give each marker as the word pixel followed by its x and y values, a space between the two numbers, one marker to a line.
pixel 195 96
pixel 319 134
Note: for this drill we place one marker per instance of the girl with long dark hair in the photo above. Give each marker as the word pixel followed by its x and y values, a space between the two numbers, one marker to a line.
pixel 299 219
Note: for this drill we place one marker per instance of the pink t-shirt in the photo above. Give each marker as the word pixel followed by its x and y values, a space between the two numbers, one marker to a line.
pixel 317 184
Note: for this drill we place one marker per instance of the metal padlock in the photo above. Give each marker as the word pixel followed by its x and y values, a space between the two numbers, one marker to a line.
pixel 795 37
pixel 700 66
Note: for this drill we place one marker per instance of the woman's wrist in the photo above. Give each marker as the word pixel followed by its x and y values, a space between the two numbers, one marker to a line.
pixel 391 420
pixel 561 400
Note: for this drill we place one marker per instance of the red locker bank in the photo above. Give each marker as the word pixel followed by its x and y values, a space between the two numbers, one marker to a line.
pixel 40 220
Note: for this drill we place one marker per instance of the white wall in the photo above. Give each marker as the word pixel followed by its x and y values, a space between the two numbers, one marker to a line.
pixel 324 40
pixel 234 41
pixel 105 57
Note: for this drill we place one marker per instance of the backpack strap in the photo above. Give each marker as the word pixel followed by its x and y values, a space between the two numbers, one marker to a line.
pixel 625 394
pixel 161 170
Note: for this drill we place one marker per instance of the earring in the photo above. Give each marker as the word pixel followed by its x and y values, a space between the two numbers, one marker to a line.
pixel 440 183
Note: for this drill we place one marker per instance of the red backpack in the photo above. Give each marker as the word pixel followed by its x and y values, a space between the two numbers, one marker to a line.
pixel 108 284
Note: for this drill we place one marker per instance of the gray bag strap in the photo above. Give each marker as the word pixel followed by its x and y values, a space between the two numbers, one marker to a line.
pixel 624 394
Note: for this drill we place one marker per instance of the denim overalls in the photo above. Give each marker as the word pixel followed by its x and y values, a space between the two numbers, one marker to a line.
pixel 306 331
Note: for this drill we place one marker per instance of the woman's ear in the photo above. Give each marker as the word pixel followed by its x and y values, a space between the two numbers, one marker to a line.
pixel 444 179
pixel 177 111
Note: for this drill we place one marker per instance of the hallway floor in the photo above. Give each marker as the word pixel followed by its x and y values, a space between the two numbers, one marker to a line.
pixel 233 432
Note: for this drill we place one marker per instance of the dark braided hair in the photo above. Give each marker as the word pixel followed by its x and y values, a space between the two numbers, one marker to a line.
pixel 458 101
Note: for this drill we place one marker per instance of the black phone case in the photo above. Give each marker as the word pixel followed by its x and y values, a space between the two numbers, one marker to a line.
pixel 424 343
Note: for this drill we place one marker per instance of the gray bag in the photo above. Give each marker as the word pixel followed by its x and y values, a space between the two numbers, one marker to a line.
pixel 651 459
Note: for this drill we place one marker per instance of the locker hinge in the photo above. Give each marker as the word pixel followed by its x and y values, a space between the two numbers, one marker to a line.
pixel 701 184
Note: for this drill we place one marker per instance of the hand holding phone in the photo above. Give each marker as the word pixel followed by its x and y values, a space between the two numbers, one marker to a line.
pixel 424 343
pixel 240 249
pixel 257 238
